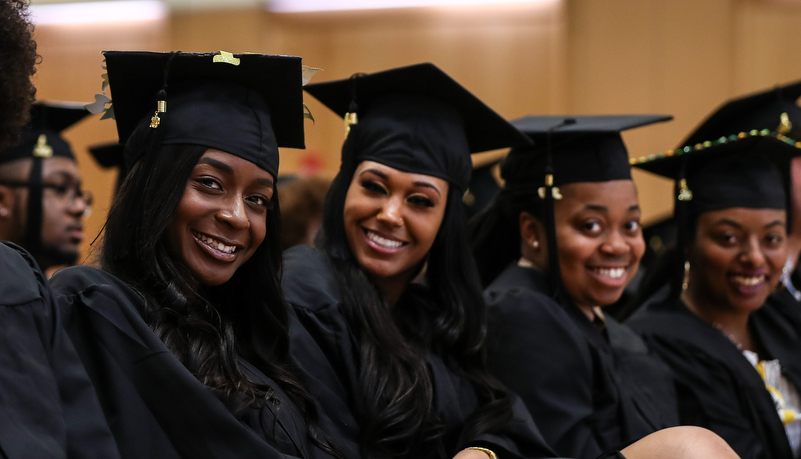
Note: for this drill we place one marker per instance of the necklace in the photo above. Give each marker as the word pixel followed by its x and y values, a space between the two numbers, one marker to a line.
pixel 730 336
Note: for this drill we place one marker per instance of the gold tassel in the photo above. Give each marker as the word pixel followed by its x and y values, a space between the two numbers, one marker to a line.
pixel 160 108
pixel 42 149
pixel 785 126
pixel 350 120
pixel 685 194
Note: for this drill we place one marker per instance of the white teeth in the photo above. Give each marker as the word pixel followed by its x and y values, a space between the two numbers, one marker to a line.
pixel 385 243
pixel 215 244
pixel 612 273
pixel 748 281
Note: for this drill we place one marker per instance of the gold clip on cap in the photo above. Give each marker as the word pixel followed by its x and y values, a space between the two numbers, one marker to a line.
pixel 684 192
pixel 785 126
pixel 42 149
pixel 350 120
pixel 161 107
pixel 225 57
pixel 555 192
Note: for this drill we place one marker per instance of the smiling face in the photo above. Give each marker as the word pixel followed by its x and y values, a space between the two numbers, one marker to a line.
pixel 736 259
pixel 599 240
pixel 391 220
pixel 222 217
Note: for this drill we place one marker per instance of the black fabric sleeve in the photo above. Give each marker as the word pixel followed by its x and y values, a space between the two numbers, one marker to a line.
pixel 710 395
pixel 49 406
pixel 537 353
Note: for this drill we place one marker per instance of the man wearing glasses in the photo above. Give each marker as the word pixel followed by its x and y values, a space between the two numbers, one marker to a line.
pixel 41 199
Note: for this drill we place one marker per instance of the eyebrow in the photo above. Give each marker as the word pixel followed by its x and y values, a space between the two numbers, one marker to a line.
pixel 775 223
pixel 385 177
pixel 267 182
pixel 727 221
pixel 600 208
pixel 216 164
pixel 427 185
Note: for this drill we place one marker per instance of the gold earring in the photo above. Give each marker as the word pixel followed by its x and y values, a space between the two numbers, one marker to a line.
pixel 685 283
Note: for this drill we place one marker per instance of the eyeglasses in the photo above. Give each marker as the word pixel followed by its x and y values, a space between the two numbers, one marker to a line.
pixel 67 192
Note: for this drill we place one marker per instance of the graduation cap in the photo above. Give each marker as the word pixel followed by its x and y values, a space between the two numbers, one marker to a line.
pixel 41 138
pixel 748 170
pixel 244 104
pixel 416 119
pixel 775 109
pixel 576 148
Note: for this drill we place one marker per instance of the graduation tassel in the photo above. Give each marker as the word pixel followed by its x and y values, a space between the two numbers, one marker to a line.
pixel 683 196
pixel 549 193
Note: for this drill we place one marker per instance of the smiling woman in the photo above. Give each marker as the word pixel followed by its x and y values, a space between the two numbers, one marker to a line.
pixel 739 363
pixel 221 218
pixel 184 331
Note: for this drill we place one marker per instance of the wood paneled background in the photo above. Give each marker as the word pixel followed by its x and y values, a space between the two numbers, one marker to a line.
pixel 682 57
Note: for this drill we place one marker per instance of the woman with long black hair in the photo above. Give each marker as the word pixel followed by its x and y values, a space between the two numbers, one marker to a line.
pixel 184 330
pixel 391 320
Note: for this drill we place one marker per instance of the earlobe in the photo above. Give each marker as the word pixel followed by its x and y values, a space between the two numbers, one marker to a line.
pixel 531 230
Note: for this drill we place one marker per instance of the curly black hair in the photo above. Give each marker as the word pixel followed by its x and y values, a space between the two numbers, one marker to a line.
pixel 18 61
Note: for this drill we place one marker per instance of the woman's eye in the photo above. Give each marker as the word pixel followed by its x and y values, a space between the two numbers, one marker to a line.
pixel 632 226
pixel 209 182
pixel 260 201
pixel 727 238
pixel 591 227
pixel 373 186
pixel 419 200
pixel 774 239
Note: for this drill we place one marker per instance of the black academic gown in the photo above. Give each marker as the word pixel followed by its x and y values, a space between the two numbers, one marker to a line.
pixel 786 301
pixel 48 407
pixel 726 394
pixel 325 348
pixel 588 391
pixel 154 405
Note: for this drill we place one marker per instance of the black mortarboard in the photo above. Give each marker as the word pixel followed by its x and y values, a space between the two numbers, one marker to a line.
pixel 416 119
pixel 581 149
pixel 42 136
pixel 749 170
pixel 762 110
pixel 244 104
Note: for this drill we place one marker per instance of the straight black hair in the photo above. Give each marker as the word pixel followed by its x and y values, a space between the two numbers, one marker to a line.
pixel 394 404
